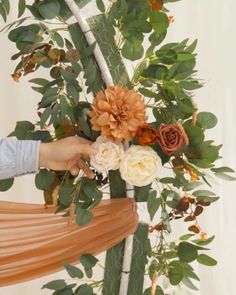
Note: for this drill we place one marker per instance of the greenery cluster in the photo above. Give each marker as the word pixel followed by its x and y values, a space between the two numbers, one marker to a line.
pixel 165 76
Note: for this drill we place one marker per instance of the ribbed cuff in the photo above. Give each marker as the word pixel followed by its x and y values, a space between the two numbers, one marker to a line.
pixel 27 156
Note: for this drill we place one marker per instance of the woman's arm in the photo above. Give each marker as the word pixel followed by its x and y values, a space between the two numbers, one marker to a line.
pixel 19 157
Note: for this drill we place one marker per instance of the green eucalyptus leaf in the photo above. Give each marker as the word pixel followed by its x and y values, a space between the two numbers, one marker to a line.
pixel 132 50
pixel 73 271
pixel 207 120
pixel 6 4
pixel 3 12
pixel 84 290
pixel 153 204
pixel 6 184
pixel 195 134
pixel 88 260
pixel 142 193
pixel 186 237
pixel 39 81
pixel 58 39
pixel 203 242
pixel 175 273
pixel 55 285
pixel 225 176
pixel 49 9
pixel 159 21
pixel 190 85
pixel 66 291
pixel 83 216
pixel 187 252
pixel 158 291
pixel 203 193
pixel 21 7
pixel 92 191
pixel 155 71
pixel 44 179
pixel 206 260
pixel 188 283
pixel 65 194
pixel 223 169
pixel 100 5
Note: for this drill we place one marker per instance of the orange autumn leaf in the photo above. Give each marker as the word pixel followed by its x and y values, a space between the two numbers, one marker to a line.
pixel 194 228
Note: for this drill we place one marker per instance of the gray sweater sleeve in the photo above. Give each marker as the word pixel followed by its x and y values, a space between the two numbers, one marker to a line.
pixel 18 157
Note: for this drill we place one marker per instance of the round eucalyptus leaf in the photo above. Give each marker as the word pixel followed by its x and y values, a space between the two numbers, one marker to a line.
pixel 187 252
pixel 207 120
pixel 132 50
pixel 49 9
pixel 83 216
pixel 159 291
pixel 44 179
pixel 6 184
pixel 206 260
pixel 176 272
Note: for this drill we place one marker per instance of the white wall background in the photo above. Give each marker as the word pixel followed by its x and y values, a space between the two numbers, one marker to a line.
pixel 213 24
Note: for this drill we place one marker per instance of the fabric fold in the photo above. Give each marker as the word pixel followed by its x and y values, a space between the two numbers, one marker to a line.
pixel 34 241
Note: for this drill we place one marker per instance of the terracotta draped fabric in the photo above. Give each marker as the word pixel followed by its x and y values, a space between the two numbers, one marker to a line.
pixel 34 241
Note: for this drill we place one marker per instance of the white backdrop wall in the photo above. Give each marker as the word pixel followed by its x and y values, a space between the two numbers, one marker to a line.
pixel 213 24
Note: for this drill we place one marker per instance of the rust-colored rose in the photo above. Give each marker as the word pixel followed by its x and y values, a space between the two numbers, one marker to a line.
pixel 146 135
pixel 117 112
pixel 171 137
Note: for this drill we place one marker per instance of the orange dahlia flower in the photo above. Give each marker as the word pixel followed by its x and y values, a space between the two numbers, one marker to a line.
pixel 146 135
pixel 117 112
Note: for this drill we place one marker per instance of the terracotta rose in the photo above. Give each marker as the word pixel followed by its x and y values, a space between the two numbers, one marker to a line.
pixel 171 137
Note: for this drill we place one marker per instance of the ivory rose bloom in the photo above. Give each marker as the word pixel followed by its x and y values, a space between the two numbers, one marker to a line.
pixel 108 155
pixel 139 165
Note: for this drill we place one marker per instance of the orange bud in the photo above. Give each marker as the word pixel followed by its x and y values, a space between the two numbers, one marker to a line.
pixel 156 4
pixel 16 76
pixel 146 135
pixel 203 235
pixel 171 18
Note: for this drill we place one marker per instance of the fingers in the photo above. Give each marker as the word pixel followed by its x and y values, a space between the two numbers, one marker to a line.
pixel 86 169
pixel 74 170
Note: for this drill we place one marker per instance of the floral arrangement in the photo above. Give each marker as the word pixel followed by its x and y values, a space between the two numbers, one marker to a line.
pixel 144 127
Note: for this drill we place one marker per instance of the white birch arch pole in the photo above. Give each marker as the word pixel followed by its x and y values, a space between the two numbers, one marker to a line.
pixel 76 11
pixel 107 78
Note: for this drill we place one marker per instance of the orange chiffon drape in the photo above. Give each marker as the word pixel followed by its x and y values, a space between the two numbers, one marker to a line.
pixel 34 241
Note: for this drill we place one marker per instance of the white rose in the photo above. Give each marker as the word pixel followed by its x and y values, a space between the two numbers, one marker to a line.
pixel 139 165
pixel 108 155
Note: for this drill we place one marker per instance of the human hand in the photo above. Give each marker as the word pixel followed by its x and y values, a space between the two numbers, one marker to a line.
pixel 67 154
